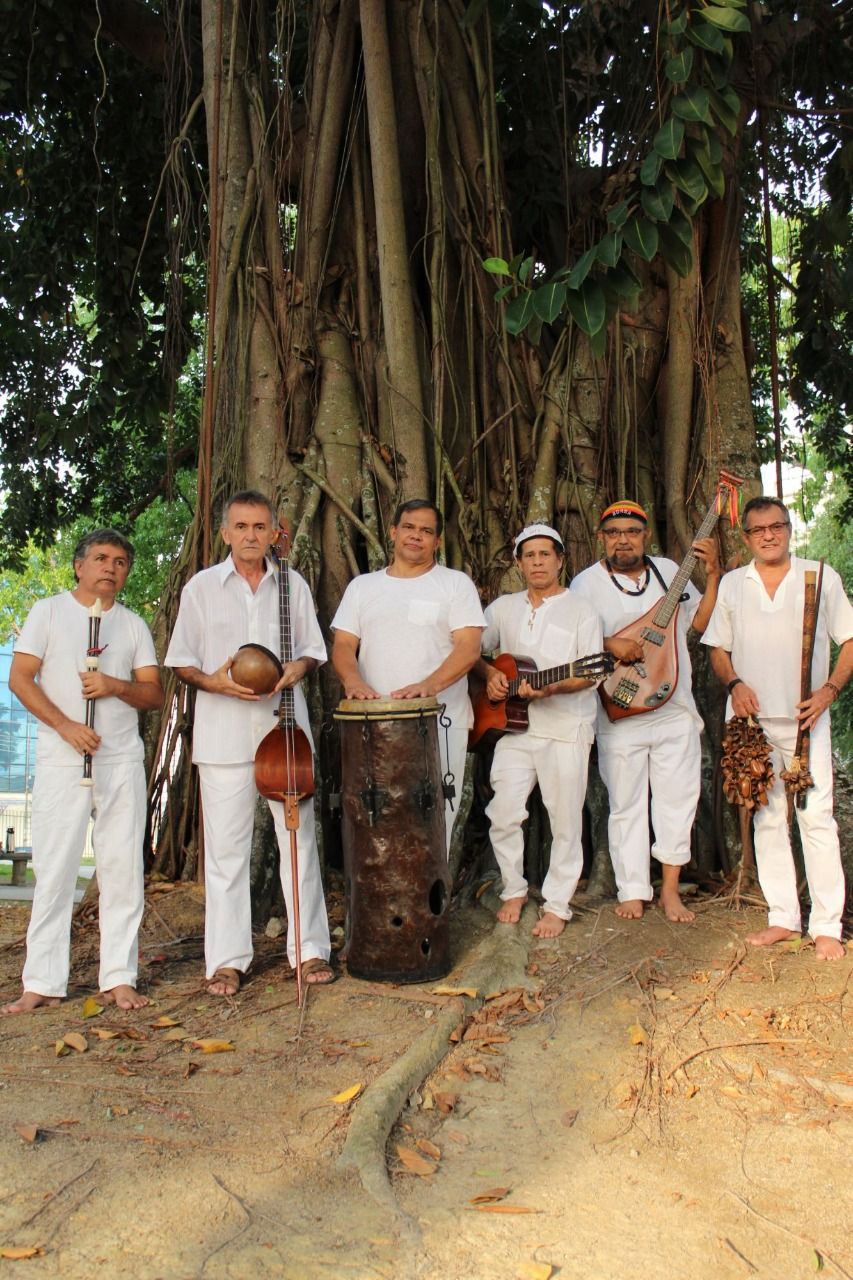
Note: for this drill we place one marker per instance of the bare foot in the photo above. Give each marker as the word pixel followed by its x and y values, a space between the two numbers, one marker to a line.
pixel 630 910
pixel 673 908
pixel 828 948
pixel 29 1001
pixel 225 982
pixel 775 933
pixel 510 910
pixel 549 926
pixel 124 997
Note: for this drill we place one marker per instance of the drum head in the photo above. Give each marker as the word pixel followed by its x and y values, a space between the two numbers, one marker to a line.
pixel 257 668
pixel 386 708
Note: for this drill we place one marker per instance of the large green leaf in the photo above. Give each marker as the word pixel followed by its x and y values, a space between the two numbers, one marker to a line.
pixel 621 285
pixel 497 266
pixel 692 207
pixel 706 36
pixel 587 306
pixel 713 173
pixel 618 215
pixel 676 24
pixel 642 236
pixel 675 253
pixel 722 109
pixel 688 177
pixel 525 269
pixel 581 269
pixel 549 300
pixel 609 248
pixel 598 343
pixel 727 19
pixel 519 313
pixel 668 139
pixel 681 226
pixel 650 169
pixel 658 201
pixel 678 68
pixel 692 105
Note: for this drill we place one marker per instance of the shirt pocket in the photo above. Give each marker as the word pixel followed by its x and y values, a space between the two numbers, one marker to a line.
pixel 424 613
pixel 557 645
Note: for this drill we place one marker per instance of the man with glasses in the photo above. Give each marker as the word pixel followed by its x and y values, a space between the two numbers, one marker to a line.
pixel 755 634
pixel 659 750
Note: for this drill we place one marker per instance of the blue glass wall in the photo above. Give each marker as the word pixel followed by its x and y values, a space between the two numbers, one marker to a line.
pixel 17 735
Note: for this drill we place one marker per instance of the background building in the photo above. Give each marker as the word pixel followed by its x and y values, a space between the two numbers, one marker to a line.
pixel 17 755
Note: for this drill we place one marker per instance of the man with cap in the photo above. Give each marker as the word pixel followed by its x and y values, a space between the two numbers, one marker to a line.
pixel 552 628
pixel 659 750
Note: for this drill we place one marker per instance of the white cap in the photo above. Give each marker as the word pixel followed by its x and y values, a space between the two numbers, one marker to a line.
pixel 537 531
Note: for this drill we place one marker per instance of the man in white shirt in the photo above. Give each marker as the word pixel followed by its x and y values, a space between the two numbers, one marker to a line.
pixel 755 634
pixel 657 750
pixel 413 631
pixel 231 604
pixel 48 677
pixel 552 628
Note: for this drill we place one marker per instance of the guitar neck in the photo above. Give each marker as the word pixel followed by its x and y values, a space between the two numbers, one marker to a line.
pixel 670 602
pixel 287 704
pixel 538 679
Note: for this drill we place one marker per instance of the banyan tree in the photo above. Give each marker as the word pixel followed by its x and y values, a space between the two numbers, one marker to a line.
pixel 351 251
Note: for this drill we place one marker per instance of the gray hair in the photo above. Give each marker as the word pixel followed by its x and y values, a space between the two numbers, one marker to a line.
pixel 103 538
pixel 248 498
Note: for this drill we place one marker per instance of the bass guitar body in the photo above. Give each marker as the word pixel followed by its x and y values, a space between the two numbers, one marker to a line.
pixel 493 719
pixel 639 687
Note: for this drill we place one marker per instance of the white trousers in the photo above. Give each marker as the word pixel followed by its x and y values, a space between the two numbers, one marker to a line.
pixel 643 752
pixel 228 796
pixel 61 812
pixel 458 739
pixel 774 859
pixel 560 768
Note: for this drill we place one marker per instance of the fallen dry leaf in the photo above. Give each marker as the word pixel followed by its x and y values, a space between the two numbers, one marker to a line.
pixel 455 991
pixel 190 1070
pixel 24 1251
pixel 490 1196
pixel 91 1008
pixel 446 1102
pixel 429 1148
pixel 503 1208
pixel 535 1271
pixel 29 1132
pixel 213 1046
pixel 637 1034
pixel 76 1041
pixel 414 1163
pixel 347 1095
pixel 61 1048
pixel 569 1117
pixel 731 1091
pixel 165 1021
pixel 103 1034
pixel 485 1035
pixel 177 1033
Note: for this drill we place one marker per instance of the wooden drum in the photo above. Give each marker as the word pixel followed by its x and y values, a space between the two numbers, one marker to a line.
pixel 398 884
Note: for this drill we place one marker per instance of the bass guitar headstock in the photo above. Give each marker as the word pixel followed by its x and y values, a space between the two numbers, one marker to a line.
pixel 727 494
pixel 280 548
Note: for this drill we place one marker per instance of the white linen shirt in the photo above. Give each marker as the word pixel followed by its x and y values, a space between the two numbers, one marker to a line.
pixel 405 627
pixel 765 637
pixel 219 612
pixel 57 632
pixel 618 608
pixel 562 628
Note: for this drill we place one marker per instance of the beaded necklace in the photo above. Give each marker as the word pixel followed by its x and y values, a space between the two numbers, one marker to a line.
pixel 626 591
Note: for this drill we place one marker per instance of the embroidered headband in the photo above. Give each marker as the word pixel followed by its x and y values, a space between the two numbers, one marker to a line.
pixel 624 509
pixel 537 531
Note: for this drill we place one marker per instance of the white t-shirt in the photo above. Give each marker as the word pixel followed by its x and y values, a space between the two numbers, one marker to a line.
pixel 57 632
pixel 765 637
pixel 561 629
pixel 618 608
pixel 219 612
pixel 405 627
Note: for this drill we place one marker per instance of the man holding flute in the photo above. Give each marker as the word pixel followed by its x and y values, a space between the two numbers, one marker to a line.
pixel 51 677
pixel 756 641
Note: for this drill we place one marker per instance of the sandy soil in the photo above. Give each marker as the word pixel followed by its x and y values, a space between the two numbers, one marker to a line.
pixel 661 1103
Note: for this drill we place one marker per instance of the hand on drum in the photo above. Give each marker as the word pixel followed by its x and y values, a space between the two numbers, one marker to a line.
pixel 220 682
pixel 359 691
pixel 425 690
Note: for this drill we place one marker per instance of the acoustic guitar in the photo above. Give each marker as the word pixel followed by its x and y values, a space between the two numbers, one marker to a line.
pixel 639 687
pixel 493 719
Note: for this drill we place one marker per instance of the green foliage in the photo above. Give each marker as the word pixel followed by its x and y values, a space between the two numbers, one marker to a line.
pixel 679 171
pixel 157 535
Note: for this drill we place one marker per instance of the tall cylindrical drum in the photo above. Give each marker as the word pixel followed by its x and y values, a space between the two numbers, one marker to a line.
pixel 398 884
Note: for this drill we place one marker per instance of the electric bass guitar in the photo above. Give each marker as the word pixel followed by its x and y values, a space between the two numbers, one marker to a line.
pixel 493 719
pixel 639 687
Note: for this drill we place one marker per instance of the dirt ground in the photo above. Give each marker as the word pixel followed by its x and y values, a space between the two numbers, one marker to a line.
pixel 657 1102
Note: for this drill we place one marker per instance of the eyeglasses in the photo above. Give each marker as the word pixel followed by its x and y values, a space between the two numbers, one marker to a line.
pixel 776 529
pixel 623 533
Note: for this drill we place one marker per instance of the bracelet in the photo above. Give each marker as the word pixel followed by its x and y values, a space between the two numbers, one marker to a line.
pixel 732 683
pixel 827 684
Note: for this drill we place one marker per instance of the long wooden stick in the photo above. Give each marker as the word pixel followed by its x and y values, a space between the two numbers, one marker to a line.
pixel 798 780
pixel 93 654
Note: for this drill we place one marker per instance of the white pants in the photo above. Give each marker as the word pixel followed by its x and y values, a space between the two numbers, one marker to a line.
pixel 228 796
pixel 560 768
pixel 458 739
pixel 774 860
pixel 666 755
pixel 61 812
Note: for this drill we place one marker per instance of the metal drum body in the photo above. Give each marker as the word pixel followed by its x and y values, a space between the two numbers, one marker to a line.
pixel 398 884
